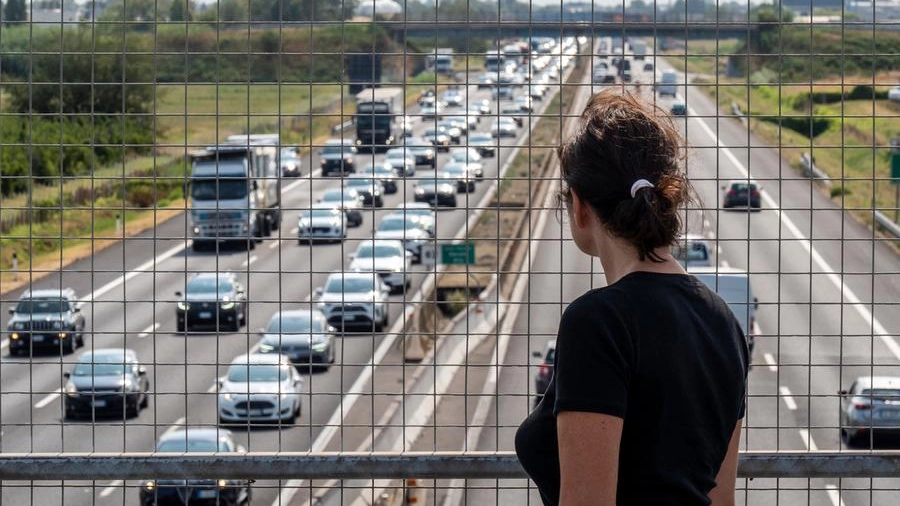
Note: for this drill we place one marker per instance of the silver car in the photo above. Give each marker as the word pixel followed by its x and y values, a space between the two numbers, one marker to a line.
pixel 302 335
pixel 322 223
pixel 871 404
pixel 406 229
pixel 693 251
pixel 260 387
pixel 347 199
pixel 386 257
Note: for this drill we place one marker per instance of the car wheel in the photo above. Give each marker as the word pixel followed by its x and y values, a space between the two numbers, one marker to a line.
pixel 145 402
pixel 132 411
pixel 276 221
pixel 68 346
pixel 235 326
pixel 80 339
pixel 179 326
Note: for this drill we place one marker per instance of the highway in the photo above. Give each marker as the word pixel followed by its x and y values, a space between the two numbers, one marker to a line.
pixel 128 293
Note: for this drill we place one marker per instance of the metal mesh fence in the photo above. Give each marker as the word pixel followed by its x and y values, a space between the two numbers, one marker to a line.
pixel 327 232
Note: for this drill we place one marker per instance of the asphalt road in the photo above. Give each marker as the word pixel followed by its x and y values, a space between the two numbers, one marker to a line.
pixel 130 302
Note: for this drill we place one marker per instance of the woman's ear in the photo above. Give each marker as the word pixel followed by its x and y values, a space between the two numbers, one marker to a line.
pixel 580 212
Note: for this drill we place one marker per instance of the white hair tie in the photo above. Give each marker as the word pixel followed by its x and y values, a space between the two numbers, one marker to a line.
pixel 640 183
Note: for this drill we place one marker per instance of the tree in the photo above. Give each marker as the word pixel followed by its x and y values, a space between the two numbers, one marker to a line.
pixel 181 10
pixel 15 12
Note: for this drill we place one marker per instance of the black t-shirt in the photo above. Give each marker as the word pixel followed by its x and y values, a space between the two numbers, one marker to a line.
pixel 664 353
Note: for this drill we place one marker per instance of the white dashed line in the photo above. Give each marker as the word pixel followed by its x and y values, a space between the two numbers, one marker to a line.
pixel 808 440
pixel 178 425
pixel 4 344
pixel 249 261
pixel 276 243
pixel 147 331
pixel 294 231
pixel 785 394
pixel 111 488
pixel 724 263
pixel 770 360
pixel 834 494
pixel 43 403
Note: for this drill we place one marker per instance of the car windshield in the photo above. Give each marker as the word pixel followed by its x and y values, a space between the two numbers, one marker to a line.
pixel 742 187
pixel 389 224
pixel 695 251
pixel 188 445
pixel 207 284
pixel 101 366
pixel 395 155
pixel 335 149
pixel 335 196
pixel 880 392
pixel 416 144
pixel 340 284
pixel 29 306
pixel 432 132
pixel 243 373
pixel 431 183
pixel 360 181
pixel 480 138
pixel 380 170
pixel 320 213
pixel 417 211
pixel 219 189
pixel 293 324
pixel 378 251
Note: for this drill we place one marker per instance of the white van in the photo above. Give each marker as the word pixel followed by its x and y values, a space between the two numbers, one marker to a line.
pixel 667 83
pixel 733 285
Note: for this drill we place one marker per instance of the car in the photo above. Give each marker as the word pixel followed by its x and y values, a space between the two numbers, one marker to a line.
pixel 626 75
pixel 453 98
pixel 513 113
pixel 437 138
pixel 405 123
pixel 337 157
pixel 741 193
pixel 733 285
pixel 106 380
pixel 388 258
pixel 347 199
pixel 421 212
pixel 473 115
pixel 483 106
pixel 679 108
pixel 291 163
pixel 49 319
pixel 648 67
pixel 894 94
pixel 503 127
pixel 667 84
pixel 451 129
pixel 322 223
pixel 471 157
pixel 430 111
pixel 302 335
pixel 369 189
pixel 406 229
pixel 869 407
pixel 354 300
pixel 486 80
pixel 402 160
pixel 545 370
pixel 459 172
pixel 260 387
pixel 437 192
pixel 502 92
pixel 385 175
pixel 422 150
pixel 537 91
pixel 483 143
pixel 693 251
pixel 524 103
pixel 222 492
pixel 466 122
pixel 212 300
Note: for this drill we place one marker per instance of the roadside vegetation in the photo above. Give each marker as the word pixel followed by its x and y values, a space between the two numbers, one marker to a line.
pixel 817 90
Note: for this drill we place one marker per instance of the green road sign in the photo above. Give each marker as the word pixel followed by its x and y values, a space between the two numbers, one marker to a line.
pixel 458 254
pixel 895 168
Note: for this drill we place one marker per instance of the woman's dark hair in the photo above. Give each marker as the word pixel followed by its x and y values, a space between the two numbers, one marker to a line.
pixel 619 140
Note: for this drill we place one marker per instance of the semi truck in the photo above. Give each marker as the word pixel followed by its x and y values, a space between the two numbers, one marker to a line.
pixel 638 49
pixel 376 109
pixel 235 191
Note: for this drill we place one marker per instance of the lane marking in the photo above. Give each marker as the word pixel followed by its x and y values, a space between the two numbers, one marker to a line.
pixel 177 425
pixel 808 440
pixel 834 494
pixel 43 403
pixel 770 360
pixel 131 274
pixel 147 331
pixel 4 344
pixel 294 231
pixel 873 323
pixel 724 263
pixel 111 488
pixel 275 244
pixel 248 262
pixel 785 394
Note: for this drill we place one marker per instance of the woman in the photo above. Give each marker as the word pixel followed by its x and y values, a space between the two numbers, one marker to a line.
pixel 647 397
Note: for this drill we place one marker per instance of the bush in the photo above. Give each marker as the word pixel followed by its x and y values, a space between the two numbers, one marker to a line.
pixel 837 191
pixel 809 126
pixel 456 302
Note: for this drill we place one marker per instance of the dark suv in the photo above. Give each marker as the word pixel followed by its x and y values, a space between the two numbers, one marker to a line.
pixel 49 319
pixel 337 157
pixel 545 370
pixel 212 300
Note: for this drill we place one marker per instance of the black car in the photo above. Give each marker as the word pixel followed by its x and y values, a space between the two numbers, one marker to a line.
pixel 437 192
pixel 484 143
pixel 741 194
pixel 337 157
pixel 107 380
pixel 221 492
pixel 212 301
pixel 302 335
pixel 545 370
pixel 46 319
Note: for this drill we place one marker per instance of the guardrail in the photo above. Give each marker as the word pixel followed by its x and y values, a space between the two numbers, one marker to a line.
pixel 436 465
pixel 887 224
pixel 811 171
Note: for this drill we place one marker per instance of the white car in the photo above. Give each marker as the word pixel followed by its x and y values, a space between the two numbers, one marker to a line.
pixel 894 94
pixel 402 160
pixel 503 127
pixel 354 299
pixel 420 211
pixel 260 387
pixel 386 257
pixel 347 199
pixel 471 158
pixel 406 229
pixel 322 223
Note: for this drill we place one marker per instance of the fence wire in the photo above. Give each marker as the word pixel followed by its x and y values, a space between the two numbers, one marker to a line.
pixel 294 252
